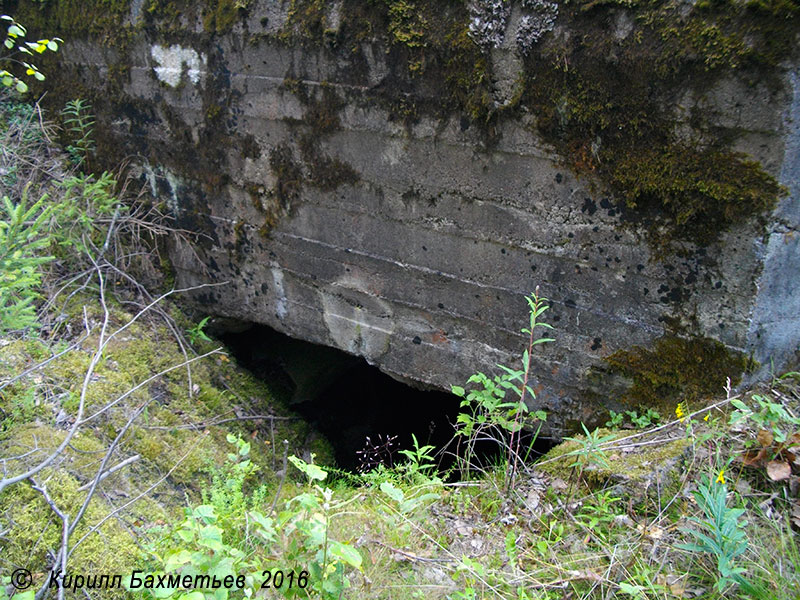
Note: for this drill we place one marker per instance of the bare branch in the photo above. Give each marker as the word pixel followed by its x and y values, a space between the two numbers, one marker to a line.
pixel 111 471
pixel 206 424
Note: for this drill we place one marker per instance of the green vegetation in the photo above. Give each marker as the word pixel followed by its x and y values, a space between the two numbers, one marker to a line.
pixel 23 233
pixel 490 415
pixel 79 124
pixel 16 52
pixel 693 369
pixel 721 533
pixel 644 420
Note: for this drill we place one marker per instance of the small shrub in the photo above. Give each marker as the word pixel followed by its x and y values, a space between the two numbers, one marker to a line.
pixel 24 233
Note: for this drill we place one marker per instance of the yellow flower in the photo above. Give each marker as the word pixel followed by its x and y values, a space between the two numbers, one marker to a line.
pixel 708 414
pixel 680 412
pixel 721 477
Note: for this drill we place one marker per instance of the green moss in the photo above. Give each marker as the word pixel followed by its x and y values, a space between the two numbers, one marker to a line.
pixel 634 467
pixel 607 103
pixel 407 24
pixel 689 192
pixel 221 15
pixel 307 20
pixel 218 16
pixel 69 17
pixel 676 369
pixel 36 530
pixel 288 175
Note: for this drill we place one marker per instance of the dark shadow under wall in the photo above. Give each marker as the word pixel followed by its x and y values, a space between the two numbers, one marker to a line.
pixel 345 398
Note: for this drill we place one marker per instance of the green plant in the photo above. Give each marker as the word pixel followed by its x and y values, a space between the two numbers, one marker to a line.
pixel 24 234
pixel 196 332
pixel 555 533
pixel 598 514
pixel 590 452
pixel 409 501
pixel 721 533
pixel 83 216
pixel 491 415
pixel 5 584
pixel 79 123
pixel 641 421
pixel 420 461
pixel 227 490
pixel 615 419
pixel 228 535
pixel 202 549
pixel 16 46
pixel 767 415
pixel 646 419
pixel 309 514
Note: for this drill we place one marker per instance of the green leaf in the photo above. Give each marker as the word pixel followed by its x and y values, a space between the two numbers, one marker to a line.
pixel 205 512
pixel 176 560
pixel 637 591
pixel 345 553
pixel 393 492
pixel 458 391
pixel 211 537
pixel 311 470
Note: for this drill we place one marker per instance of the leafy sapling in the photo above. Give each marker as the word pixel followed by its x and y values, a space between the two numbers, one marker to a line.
pixel 17 54
pixel 196 332
pixel 494 416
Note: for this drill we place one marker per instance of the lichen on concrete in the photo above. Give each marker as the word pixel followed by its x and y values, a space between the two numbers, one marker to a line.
pixel 533 26
pixel 488 19
pixel 174 61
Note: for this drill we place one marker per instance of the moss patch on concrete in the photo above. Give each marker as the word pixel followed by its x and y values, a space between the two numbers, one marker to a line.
pixel 676 369
pixel 607 104
pixel 634 466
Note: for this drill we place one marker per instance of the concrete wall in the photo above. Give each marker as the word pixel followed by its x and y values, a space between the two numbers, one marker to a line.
pixel 422 264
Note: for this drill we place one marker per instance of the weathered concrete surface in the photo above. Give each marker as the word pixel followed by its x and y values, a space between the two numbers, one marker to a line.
pixel 421 264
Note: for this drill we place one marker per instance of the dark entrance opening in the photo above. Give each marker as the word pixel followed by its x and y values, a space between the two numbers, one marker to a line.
pixel 365 414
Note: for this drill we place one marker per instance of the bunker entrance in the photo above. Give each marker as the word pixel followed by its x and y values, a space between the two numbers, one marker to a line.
pixel 367 416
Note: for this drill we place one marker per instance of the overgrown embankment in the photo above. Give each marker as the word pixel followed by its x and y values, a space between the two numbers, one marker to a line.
pixel 114 408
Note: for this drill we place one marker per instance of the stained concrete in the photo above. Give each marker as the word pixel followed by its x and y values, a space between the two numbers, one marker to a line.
pixel 422 264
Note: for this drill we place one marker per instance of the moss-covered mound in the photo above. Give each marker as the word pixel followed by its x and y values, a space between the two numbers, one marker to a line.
pixel 179 438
